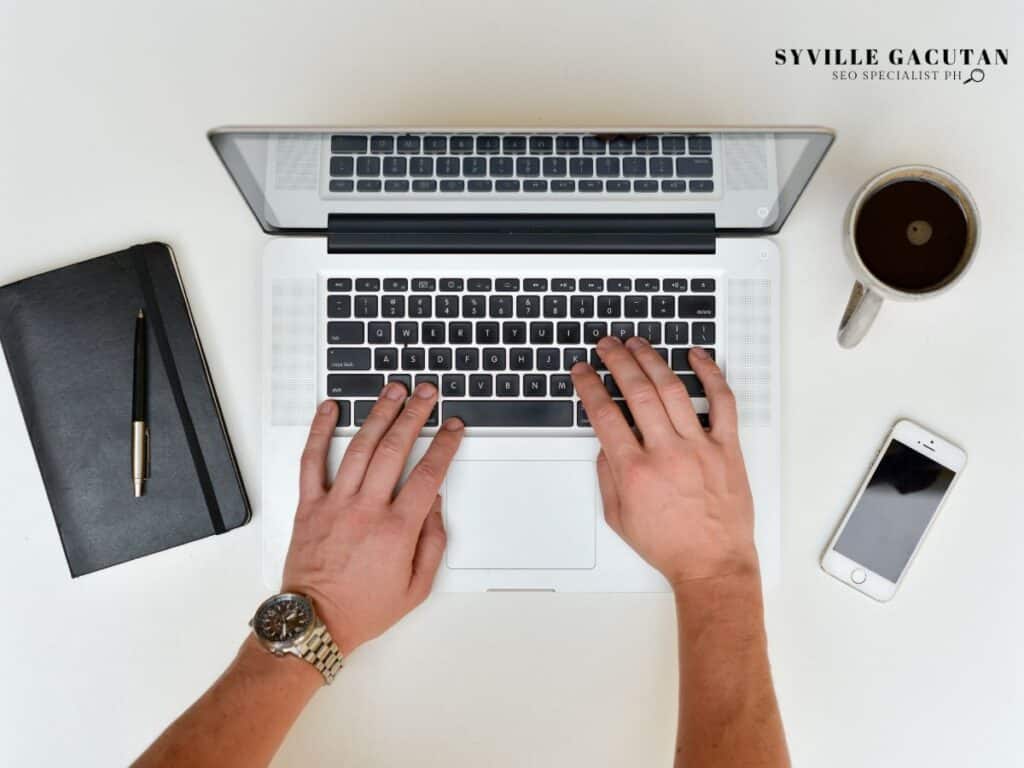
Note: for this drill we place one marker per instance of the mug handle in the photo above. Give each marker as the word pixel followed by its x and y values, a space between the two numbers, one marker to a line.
pixel 858 316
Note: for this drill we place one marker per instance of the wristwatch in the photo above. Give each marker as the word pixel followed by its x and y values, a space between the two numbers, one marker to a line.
pixel 287 623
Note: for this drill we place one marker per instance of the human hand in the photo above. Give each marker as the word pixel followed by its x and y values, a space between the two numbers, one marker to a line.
pixel 677 494
pixel 366 555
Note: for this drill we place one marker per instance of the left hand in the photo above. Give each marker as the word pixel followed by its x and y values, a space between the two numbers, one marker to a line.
pixel 364 554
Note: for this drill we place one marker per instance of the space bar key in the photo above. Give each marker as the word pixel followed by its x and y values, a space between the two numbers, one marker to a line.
pixel 479 413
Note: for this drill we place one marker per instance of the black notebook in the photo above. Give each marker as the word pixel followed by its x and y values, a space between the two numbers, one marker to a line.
pixel 68 339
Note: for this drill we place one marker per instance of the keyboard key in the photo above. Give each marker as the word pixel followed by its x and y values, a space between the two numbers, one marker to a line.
pixel 474 166
pixel 402 378
pixel 620 145
pixel 568 333
pixel 460 333
pixel 342 185
pixel 535 185
pixel 513 145
pixel 487 333
pixel 382 145
pixel 555 306
pixel 342 166
pixel 645 185
pixel 447 166
pixel 481 385
pixel 649 331
pixel 506 385
pixel 542 333
pixel 395 284
pixel 674 285
pixel 541 145
pixel 573 355
pixel 500 306
pixel 520 359
pixel 535 385
pixel 528 305
pixel 421 166
pixel 617 185
pixel 354 384
pixel 426 378
pixel 424 284
pixel 563 284
pixel 548 359
pixel 704 334
pixel 693 166
pixel 634 166
pixel 592 145
pixel 362 411
pixel 663 306
pixel 392 306
pixel 513 333
pixel 477 413
pixel 583 421
pixel 609 306
pixel 424 185
pixel 407 333
pixel 608 166
pixel 673 185
pixel 563 185
pixel 488 145
pixel 474 305
pixel 661 166
pixel 501 166
pixel 555 166
pixel 346 358
pixel 506 185
pixel 594 332
pixel 409 145
pixel 477 284
pixel 535 284
pixel 368 166
pixel 451 283
pixel 344 413
pixel 647 145
pixel 435 145
pixel 446 306
pixel 467 358
pixel 700 145
pixel 702 285
pixel 581 306
pixel 366 306
pixel 677 334
pixel 561 385
pixel 636 306
pixel 696 306
pixel 591 185
pixel 567 145
pixel 348 145
pixel 673 145
pixel 413 359
pixel 433 333
pixel 378 333
pixel 368 185
pixel 620 284
pixel 385 359
pixel 596 362
pixel 461 145
pixel 527 166
pixel 453 185
pixel 581 166
pixel 439 358
pixel 506 284
pixel 419 306
pixel 453 385
pixel 336 284
pixel 339 306
pixel 647 284
pixel 623 331
pixel 681 358
pixel 693 386
pixel 479 185
pixel 663 353
pixel 702 185
pixel 612 386
pixel 494 359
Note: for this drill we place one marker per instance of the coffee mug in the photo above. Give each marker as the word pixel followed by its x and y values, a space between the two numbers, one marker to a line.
pixel 909 234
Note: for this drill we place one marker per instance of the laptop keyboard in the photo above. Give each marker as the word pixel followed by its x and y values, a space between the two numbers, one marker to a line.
pixel 499 349
pixel 492 164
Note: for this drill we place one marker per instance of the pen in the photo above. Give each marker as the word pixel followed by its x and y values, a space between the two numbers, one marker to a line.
pixel 140 432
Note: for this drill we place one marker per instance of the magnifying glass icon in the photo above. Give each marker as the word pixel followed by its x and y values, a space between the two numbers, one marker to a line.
pixel 975 76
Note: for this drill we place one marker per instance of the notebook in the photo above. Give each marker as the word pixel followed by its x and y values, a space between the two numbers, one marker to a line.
pixel 68 336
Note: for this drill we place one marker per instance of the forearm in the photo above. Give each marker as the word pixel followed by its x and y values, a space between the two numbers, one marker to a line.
pixel 728 713
pixel 243 718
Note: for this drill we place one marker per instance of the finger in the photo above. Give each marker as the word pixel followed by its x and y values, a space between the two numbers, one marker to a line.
pixel 426 477
pixel 392 451
pixel 361 448
pixel 721 401
pixel 641 396
pixel 617 439
pixel 609 494
pixel 671 390
pixel 429 551
pixel 313 465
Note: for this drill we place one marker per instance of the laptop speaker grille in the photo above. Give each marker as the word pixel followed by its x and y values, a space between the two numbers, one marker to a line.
pixel 293 334
pixel 750 349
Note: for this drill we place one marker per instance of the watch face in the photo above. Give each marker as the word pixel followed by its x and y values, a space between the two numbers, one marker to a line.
pixel 283 618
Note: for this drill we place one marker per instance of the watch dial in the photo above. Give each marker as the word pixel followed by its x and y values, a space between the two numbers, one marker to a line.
pixel 283 619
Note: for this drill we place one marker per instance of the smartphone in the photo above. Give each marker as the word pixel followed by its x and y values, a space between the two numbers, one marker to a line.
pixel 882 531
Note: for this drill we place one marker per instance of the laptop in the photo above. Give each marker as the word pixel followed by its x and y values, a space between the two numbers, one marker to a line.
pixel 488 261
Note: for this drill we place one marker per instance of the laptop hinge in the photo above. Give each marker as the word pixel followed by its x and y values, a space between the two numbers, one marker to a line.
pixel 506 233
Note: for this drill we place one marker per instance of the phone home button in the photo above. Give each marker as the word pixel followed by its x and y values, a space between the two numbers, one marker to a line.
pixel 858 576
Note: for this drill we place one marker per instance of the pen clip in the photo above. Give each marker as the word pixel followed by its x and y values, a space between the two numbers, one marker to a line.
pixel 149 453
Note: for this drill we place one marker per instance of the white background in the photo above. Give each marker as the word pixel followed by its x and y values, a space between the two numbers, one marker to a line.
pixel 104 109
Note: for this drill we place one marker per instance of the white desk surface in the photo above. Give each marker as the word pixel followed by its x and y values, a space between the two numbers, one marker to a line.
pixel 105 107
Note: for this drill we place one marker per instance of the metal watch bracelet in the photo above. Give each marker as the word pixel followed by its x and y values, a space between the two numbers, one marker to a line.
pixel 321 651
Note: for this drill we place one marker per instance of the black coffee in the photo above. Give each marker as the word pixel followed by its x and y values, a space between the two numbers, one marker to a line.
pixel 911 235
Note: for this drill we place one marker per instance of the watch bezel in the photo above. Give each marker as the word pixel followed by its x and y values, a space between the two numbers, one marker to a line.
pixel 281 647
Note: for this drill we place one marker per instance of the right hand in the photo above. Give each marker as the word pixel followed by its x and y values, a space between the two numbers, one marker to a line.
pixel 678 495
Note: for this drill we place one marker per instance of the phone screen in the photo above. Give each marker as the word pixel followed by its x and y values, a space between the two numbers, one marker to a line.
pixel 893 512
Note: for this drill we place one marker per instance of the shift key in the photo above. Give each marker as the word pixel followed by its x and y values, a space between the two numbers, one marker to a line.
pixel 354 384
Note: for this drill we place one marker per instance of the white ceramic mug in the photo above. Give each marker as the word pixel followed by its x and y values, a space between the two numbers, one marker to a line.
pixel 869 292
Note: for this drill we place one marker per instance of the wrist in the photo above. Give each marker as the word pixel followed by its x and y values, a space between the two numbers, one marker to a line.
pixel 257 663
pixel 729 598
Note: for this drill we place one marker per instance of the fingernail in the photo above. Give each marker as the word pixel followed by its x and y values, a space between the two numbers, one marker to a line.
pixel 607 342
pixel 636 342
pixel 453 425
pixel 700 353
pixel 394 391
pixel 326 406
pixel 580 367
pixel 424 390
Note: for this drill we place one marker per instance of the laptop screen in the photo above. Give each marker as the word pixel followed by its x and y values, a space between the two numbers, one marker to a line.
pixel 744 181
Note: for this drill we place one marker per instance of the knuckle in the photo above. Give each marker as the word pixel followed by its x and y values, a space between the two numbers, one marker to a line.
pixel 392 446
pixel 643 394
pixel 427 471
pixel 606 411
pixel 675 389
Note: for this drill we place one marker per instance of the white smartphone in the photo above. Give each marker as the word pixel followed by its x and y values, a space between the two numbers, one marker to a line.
pixel 882 531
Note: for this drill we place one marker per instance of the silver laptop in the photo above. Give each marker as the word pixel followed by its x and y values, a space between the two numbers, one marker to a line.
pixel 488 261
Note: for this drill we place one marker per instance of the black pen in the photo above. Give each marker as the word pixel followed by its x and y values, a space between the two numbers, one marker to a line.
pixel 140 432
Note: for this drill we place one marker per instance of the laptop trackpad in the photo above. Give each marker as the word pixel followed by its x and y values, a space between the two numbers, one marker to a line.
pixel 520 514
